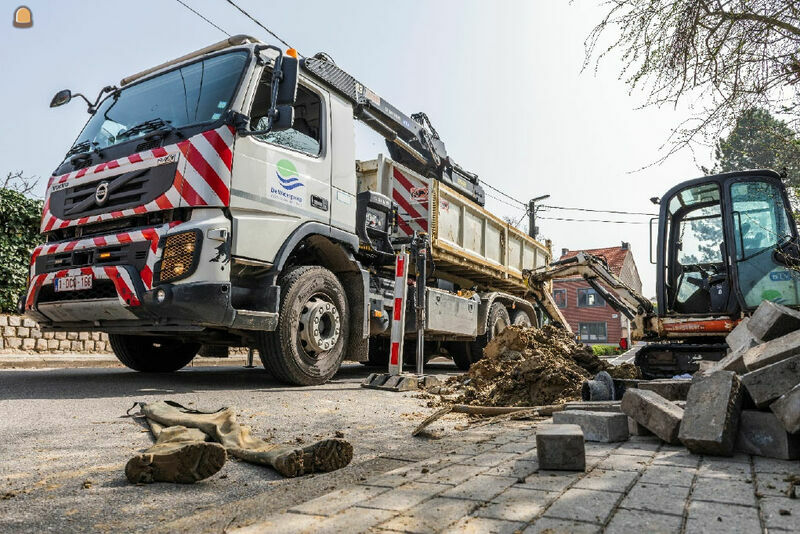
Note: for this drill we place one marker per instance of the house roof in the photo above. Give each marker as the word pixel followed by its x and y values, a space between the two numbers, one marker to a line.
pixel 614 256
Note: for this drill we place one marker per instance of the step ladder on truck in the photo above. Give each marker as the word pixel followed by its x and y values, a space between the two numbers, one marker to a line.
pixel 249 223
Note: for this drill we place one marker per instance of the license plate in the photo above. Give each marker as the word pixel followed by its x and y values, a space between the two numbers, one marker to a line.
pixel 73 283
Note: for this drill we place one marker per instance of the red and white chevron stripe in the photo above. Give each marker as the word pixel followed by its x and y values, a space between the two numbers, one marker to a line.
pixel 120 277
pixel 411 195
pixel 202 178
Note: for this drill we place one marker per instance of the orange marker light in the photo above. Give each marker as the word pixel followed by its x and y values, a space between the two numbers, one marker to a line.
pixel 291 52
pixel 23 18
pixel 105 255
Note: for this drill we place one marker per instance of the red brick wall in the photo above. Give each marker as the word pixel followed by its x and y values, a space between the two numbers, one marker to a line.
pixel 601 314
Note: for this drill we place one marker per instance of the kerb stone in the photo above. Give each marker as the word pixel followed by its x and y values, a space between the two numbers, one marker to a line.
pixel 596 426
pixel 594 406
pixel 734 361
pixel 768 383
pixel 741 337
pixel 787 409
pixel 711 418
pixel 560 447
pixel 762 434
pixel 670 389
pixel 635 429
pixel 654 412
pixel 771 321
pixel 772 351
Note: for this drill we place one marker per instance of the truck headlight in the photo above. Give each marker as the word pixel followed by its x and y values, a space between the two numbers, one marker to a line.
pixel 180 256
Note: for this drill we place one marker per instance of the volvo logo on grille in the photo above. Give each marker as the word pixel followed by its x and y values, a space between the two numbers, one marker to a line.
pixel 101 193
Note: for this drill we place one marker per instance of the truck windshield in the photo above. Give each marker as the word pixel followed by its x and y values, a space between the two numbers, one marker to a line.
pixel 195 93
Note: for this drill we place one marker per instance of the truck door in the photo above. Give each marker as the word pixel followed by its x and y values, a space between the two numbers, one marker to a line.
pixel 281 179
pixel 762 230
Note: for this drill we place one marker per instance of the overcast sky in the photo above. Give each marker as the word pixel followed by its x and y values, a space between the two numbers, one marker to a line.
pixel 501 81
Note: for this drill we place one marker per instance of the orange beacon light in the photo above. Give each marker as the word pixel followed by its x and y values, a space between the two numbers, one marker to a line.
pixel 23 18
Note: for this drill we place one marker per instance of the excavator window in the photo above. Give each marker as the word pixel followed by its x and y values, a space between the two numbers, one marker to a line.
pixel 761 228
pixel 306 134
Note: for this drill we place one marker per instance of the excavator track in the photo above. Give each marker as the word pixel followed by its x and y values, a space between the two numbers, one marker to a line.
pixel 665 360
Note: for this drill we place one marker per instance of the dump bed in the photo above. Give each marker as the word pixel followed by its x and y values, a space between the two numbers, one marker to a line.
pixel 469 245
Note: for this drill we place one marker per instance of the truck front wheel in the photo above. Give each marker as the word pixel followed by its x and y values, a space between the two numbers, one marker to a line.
pixel 152 354
pixel 307 347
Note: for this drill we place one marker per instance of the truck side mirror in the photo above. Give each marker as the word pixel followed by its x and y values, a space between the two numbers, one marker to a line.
pixel 287 88
pixel 61 98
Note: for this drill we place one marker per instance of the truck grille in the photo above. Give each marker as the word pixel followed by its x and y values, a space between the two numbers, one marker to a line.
pixel 134 254
pixel 126 190
pixel 101 289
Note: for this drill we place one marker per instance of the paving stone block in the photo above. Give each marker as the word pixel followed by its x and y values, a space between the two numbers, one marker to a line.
pixel 711 419
pixel 549 525
pixel 787 409
pixel 670 389
pixel 770 382
pixel 14 320
pixel 724 490
pixel 352 520
pixel 338 500
pixel 669 475
pixel 772 351
pixel 602 480
pixel 717 518
pixel 560 447
pixel 480 488
pixel 733 361
pixel 741 336
pixel 28 343
pixel 596 426
pixel 3 320
pixel 405 496
pixel 482 525
pixel 636 429
pixel 517 504
pixel 584 505
pixel 431 516
pixel 656 498
pixel 594 406
pixel 654 412
pixel 772 320
pixel 13 342
pixel 636 521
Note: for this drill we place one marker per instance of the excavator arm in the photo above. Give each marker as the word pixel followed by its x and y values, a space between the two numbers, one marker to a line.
pixel 619 295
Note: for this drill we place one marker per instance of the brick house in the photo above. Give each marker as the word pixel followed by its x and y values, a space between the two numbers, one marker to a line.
pixel 592 320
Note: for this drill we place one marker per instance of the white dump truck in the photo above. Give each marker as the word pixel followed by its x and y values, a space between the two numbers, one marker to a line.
pixel 215 201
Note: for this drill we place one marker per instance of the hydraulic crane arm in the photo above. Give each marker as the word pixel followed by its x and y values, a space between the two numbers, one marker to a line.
pixel 411 141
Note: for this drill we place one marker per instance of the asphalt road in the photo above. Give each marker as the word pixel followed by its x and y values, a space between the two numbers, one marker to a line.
pixel 66 440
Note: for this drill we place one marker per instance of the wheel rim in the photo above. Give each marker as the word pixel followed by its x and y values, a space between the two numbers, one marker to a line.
pixel 319 326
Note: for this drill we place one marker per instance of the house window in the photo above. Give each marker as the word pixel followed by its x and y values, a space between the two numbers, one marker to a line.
pixel 588 298
pixel 593 332
pixel 560 296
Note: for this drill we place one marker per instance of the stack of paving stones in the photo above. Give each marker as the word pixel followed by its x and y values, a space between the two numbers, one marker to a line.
pixel 747 402
pixel 20 334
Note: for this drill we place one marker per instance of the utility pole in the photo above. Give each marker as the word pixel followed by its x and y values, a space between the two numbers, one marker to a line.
pixel 532 215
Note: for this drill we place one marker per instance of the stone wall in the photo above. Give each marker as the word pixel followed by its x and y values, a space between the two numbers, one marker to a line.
pixel 20 334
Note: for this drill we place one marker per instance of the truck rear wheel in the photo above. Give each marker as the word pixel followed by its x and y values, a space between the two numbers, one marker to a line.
pixel 521 318
pixel 468 352
pixel 152 354
pixel 307 348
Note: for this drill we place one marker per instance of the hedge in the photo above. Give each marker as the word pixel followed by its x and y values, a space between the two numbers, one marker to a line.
pixel 19 233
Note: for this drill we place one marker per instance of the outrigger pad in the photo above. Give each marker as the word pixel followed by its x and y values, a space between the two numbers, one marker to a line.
pixel 389 382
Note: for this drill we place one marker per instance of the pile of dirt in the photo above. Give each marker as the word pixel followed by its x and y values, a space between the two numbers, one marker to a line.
pixel 531 367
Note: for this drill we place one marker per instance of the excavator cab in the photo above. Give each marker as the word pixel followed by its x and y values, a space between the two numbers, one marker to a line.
pixel 727 242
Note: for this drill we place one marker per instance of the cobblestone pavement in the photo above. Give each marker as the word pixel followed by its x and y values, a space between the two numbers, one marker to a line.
pixel 493 484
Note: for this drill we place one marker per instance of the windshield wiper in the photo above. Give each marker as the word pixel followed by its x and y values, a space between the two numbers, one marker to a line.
pixel 80 147
pixel 146 126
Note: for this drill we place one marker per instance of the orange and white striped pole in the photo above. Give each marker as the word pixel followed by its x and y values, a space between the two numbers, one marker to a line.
pixel 399 312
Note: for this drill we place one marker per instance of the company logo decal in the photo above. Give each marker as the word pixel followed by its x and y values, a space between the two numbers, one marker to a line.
pixel 289 183
pixel 101 193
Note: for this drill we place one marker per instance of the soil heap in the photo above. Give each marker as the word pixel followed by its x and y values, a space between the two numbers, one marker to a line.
pixel 531 367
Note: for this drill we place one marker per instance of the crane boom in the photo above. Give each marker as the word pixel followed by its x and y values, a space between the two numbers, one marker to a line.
pixel 411 140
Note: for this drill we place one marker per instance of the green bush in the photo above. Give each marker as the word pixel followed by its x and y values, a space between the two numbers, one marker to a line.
pixel 19 233
pixel 605 350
